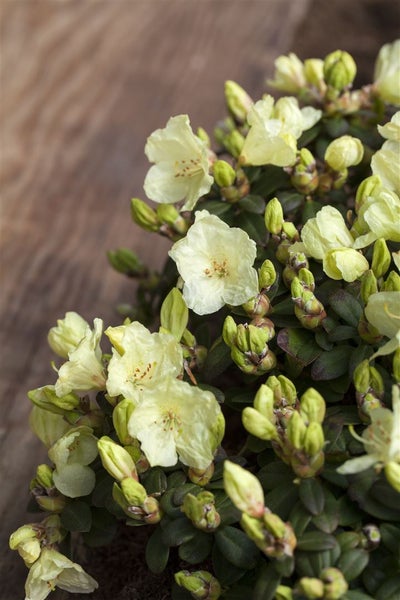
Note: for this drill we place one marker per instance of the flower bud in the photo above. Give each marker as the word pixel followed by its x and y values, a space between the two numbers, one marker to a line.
pixel 304 174
pixel 274 525
pixel 229 331
pixel 386 75
pixel 258 424
pixel 310 587
pixel 335 584
pixel 201 476
pixel 369 285
pixel 257 306
pixel 238 101
pixel 314 73
pixel 144 216
pixel 371 186
pixel 133 491
pixel 289 75
pixel 396 365
pixel 306 279
pixel 273 216
pixel 371 537
pixel 266 275
pixel 244 489
pixel 343 152
pixel 201 510
pixel 26 540
pixel 121 415
pixel 283 592
pixel 290 231
pixel 116 460
pixel 339 70
pixel 367 378
pixel 314 439
pixel 66 336
pixel 125 261
pixel 259 337
pixel 381 258
pixel 344 263
pixel 44 477
pixel 234 142
pixel 312 407
pixel 296 261
pixel 296 431
pixel 201 584
pixel 284 390
pixel 224 174
pixel 168 215
pixel 392 473
pixel 203 136
pixel 264 402
pixel 391 283
pixel 152 511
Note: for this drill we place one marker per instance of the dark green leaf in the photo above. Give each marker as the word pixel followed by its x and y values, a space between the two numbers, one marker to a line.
pixel 331 364
pixel 352 563
pixel 327 520
pixel 300 344
pixel 356 595
pixel 390 537
pixel 311 494
pixel 237 548
pixel 310 564
pixel 342 333
pixel 197 549
pixel 178 531
pixel 253 225
pixel 281 499
pixel 315 541
pixel 216 207
pixel 299 518
pixel 157 553
pixel 290 200
pixel 270 179
pixel 181 491
pixel 253 204
pixel 102 492
pixel 103 529
pixel 224 570
pixel 275 474
pixel 267 581
pixel 346 306
pixel 155 481
pixel 168 505
pixel 179 593
pixel 390 590
pixel 76 516
pixel 217 361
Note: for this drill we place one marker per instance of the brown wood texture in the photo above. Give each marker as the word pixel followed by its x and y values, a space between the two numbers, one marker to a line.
pixel 83 83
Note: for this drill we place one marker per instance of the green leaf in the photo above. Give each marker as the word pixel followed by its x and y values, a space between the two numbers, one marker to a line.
pixel 315 541
pixel 352 563
pixel 102 493
pixel 390 590
pixel 281 499
pixel 300 344
pixel 168 505
pixel 290 200
pixel 253 225
pixel 267 581
pixel 311 494
pixel 237 548
pixel 328 520
pixel 76 516
pixel 299 518
pixel 197 549
pixel 271 179
pixel 253 204
pixel 343 333
pixel 346 306
pixel 154 480
pixel 310 564
pixel 224 570
pixel 356 595
pixel 390 537
pixel 275 474
pixel 216 207
pixel 217 361
pixel 103 530
pixel 157 552
pixel 174 313
pixel 349 513
pixel 331 364
pixel 178 531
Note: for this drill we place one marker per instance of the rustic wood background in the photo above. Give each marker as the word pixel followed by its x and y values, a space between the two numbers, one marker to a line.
pixel 83 83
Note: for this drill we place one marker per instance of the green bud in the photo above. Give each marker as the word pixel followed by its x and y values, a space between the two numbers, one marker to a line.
pixel 371 186
pixel 258 424
pixel 314 439
pixel 369 285
pixel 174 313
pixel 266 275
pixel 304 174
pixel 229 331
pixel 134 493
pixel 310 587
pixel 306 279
pixel 335 585
pixel 296 431
pixel 258 338
pixel 203 135
pixel 201 476
pixel 152 511
pixel 296 262
pixel 264 402
pixel 168 215
pixel 254 529
pixel 44 477
pixel 343 152
pixel 274 525
pixel 273 216
pixel 283 592
pixel 121 415
pixel 339 70
pixel 238 101
pixel 391 283
pixel 234 142
pixel 371 537
pixel 53 504
pixel 223 173
pixel 201 584
pixel 144 216
pixel 243 337
pixel 392 473
pixel 381 258
pixel 312 407
pixel 125 261
pixel 257 306
pixel 314 72
pixel 201 510
pixel 116 460
pixel 290 231
pixel 244 489
pixel 284 390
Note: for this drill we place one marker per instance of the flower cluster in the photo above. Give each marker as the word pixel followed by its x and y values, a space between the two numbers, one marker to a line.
pixel 248 407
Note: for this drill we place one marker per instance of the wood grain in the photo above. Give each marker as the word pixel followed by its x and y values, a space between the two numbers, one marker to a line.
pixel 83 83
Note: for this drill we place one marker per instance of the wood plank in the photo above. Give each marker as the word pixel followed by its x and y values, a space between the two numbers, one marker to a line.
pixel 83 85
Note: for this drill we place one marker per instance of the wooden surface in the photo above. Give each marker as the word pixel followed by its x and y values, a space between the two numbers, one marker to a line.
pixel 83 83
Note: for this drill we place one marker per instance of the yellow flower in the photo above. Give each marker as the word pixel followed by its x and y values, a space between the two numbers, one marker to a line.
pixel 383 312
pixel 387 73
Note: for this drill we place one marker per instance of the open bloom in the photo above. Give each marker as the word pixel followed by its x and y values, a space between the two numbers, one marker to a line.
pixel 140 360
pixel 84 371
pixel 383 312
pixel 181 169
pixel 215 262
pixel 178 420
pixel 52 570
pixel 289 74
pixel 381 441
pixel 274 131
pixel 385 162
pixel 67 334
pixel 378 217
pixel 387 73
